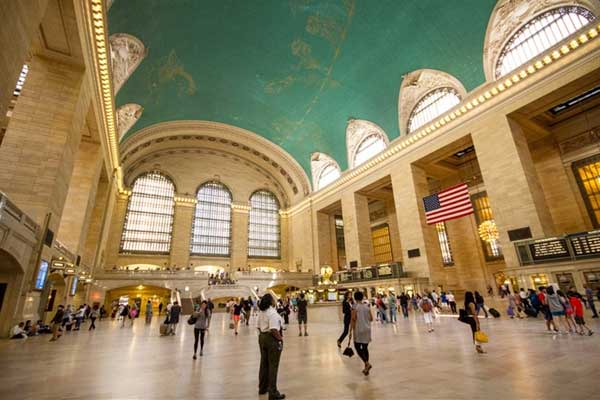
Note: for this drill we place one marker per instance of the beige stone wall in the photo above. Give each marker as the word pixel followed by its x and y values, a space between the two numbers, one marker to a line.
pixel 41 142
pixel 20 22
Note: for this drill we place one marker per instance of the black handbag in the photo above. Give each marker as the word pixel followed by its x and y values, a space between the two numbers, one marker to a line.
pixel 348 350
pixel 462 315
pixel 192 320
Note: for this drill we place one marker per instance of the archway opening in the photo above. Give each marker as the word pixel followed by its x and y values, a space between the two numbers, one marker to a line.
pixel 138 295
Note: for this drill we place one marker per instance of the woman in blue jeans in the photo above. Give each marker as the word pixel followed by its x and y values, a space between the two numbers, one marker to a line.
pixel 479 304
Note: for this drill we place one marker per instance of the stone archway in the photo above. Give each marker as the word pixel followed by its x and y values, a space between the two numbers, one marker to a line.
pixel 11 278
pixel 139 295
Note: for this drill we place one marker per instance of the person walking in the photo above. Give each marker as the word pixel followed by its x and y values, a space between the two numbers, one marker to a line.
pixel 469 316
pixel 404 304
pixel 174 317
pixel 589 295
pixel 93 315
pixel 545 308
pixel 302 314
pixel 451 302
pixel 577 305
pixel 124 314
pixel 270 342
pixel 427 307
pixel 381 309
pixel 480 304
pixel 248 310
pixel 361 330
pixel 202 317
pixel 149 311
pixel 557 308
pixel 347 313
pixel 236 312
pixel 56 322
pixel 160 307
pixel 393 308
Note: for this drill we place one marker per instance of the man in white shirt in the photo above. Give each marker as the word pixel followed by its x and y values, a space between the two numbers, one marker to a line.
pixel 270 342
pixel 18 332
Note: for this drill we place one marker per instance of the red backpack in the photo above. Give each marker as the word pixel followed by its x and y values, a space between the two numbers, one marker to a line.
pixel 426 306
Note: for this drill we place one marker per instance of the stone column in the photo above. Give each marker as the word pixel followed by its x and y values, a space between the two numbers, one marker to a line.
pixel 326 252
pixel 239 236
pixel 20 23
pixel 394 233
pixel 284 222
pixel 182 233
pixel 93 235
pixel 357 229
pixel 115 231
pixel 410 186
pixel 42 138
pixel 81 197
pixel 515 194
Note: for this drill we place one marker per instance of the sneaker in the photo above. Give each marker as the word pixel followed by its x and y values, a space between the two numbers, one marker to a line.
pixel 200 353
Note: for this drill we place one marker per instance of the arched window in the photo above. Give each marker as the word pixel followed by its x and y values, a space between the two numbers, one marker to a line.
pixel 263 227
pixel 329 174
pixel 149 218
pixel 539 34
pixel 211 228
pixel 431 106
pixel 370 146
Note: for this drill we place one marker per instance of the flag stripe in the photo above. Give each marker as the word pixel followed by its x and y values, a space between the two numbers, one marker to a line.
pixel 453 202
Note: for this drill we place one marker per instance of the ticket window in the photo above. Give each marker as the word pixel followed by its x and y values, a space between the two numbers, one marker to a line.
pixel 538 280
pixel 592 279
pixel 565 281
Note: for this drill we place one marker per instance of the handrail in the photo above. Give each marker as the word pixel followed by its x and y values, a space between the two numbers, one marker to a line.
pixel 15 212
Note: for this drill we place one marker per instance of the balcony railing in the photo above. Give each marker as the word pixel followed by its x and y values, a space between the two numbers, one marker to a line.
pixel 573 247
pixel 380 272
pixel 9 208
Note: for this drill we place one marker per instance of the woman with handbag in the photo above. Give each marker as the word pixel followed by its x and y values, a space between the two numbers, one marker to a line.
pixel 469 316
pixel 201 321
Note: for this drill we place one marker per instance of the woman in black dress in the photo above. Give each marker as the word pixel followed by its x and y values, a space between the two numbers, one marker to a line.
pixel 469 316
pixel 347 311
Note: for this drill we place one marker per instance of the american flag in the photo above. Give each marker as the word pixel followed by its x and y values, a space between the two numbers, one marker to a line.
pixel 451 203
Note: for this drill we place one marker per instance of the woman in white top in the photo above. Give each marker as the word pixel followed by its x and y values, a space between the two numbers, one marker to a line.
pixel 270 342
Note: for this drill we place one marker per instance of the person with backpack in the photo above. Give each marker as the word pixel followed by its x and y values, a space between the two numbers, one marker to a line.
pixel 302 314
pixel 174 317
pixel 426 305
pixel 124 314
pixel 56 322
pixel 381 309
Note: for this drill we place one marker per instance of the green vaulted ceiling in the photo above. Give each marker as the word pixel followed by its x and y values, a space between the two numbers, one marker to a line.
pixel 294 71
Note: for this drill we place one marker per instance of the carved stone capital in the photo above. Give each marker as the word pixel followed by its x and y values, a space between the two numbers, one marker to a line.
pixel 127 52
pixel 127 116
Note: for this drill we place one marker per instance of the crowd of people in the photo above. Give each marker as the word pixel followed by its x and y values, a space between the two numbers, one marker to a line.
pixel 220 278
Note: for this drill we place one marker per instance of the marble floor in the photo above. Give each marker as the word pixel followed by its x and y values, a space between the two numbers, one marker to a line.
pixel 523 362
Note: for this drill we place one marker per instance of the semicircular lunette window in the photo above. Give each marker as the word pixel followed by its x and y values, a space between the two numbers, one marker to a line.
pixel 329 174
pixel 369 147
pixel 539 34
pixel 431 106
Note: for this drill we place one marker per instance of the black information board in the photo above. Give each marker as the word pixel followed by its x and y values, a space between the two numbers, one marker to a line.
pixel 549 249
pixel 587 244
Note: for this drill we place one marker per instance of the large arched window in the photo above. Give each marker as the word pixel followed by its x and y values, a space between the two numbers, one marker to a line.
pixel 149 218
pixel 263 227
pixel 539 34
pixel 369 147
pixel 211 229
pixel 431 106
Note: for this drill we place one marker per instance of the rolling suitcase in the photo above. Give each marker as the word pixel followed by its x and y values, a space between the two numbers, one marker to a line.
pixel 164 329
pixel 494 313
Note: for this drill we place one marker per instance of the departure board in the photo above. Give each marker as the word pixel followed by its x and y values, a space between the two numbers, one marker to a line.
pixel 586 244
pixel 550 249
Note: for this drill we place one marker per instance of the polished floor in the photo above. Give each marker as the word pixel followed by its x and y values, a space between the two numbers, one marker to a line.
pixel 523 362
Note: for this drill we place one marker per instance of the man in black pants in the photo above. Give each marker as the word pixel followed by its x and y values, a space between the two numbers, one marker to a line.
pixel 302 314
pixel 270 342
pixel 347 310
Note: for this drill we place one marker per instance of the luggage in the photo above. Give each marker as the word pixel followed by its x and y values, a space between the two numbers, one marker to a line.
pixel 531 312
pixel 164 329
pixel 494 313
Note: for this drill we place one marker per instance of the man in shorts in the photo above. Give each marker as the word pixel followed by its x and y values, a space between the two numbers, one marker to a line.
pixel 577 307
pixel 302 314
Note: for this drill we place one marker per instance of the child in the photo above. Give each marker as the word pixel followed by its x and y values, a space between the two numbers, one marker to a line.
pixel 428 313
pixel 577 306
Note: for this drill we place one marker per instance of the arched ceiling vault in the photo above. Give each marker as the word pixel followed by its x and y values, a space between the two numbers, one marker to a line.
pixel 294 71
